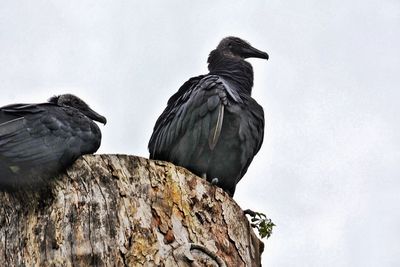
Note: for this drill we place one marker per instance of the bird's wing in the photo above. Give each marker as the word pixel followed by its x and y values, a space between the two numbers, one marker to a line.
pixel 192 120
pixel 251 131
pixel 36 137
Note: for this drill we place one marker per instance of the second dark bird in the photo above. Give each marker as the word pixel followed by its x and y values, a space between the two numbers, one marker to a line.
pixel 212 126
pixel 37 141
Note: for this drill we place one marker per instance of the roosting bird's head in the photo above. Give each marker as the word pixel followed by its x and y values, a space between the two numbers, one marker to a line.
pixel 238 48
pixel 69 100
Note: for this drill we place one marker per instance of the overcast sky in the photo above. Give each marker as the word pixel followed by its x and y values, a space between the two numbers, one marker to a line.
pixel 328 173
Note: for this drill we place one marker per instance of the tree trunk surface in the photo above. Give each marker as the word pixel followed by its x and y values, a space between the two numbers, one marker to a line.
pixel 119 210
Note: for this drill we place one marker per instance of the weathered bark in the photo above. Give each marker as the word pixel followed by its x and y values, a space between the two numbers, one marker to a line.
pixel 118 210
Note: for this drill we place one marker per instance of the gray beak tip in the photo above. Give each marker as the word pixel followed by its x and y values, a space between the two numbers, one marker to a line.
pixel 103 120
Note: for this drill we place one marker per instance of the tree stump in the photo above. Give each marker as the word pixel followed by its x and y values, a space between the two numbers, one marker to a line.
pixel 119 210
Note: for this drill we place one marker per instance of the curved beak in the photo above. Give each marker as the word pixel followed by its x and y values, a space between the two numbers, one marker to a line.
pixel 95 116
pixel 253 52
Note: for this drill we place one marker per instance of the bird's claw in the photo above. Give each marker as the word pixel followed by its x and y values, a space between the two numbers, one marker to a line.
pixel 215 181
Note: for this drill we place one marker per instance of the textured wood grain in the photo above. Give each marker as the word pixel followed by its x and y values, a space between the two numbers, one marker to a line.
pixel 119 210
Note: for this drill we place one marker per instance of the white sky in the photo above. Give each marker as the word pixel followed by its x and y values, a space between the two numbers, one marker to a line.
pixel 328 172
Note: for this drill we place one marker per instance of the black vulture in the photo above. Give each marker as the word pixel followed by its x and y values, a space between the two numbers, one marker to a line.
pixel 212 126
pixel 37 141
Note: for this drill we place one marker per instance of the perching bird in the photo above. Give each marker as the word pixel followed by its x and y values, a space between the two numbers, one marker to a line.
pixel 212 126
pixel 37 141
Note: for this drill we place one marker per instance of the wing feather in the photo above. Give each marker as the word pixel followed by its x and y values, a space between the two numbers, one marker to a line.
pixel 192 120
pixel 18 143
pixel 213 139
pixel 251 132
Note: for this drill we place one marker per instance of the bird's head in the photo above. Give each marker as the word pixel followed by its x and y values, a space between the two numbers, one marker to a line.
pixel 69 100
pixel 237 48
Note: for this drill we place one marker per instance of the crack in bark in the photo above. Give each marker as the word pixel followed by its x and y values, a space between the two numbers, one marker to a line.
pixel 90 223
pixel 233 242
pixel 5 246
pixel 90 207
pixel 212 255
pixel 122 198
pixel 71 243
pixel 45 238
pixel 122 255
pixel 179 185
pixel 106 204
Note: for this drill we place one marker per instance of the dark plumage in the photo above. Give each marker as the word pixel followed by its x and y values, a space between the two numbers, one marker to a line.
pixel 212 126
pixel 37 141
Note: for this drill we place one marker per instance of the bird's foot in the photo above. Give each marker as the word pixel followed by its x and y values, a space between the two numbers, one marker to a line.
pixel 260 221
pixel 215 181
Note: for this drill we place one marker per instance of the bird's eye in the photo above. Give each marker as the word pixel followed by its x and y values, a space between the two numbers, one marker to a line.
pixel 230 45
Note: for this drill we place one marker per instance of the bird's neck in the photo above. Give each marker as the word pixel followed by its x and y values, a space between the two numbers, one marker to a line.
pixel 234 69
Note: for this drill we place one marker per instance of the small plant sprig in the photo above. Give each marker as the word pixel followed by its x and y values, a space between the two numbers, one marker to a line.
pixel 260 221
